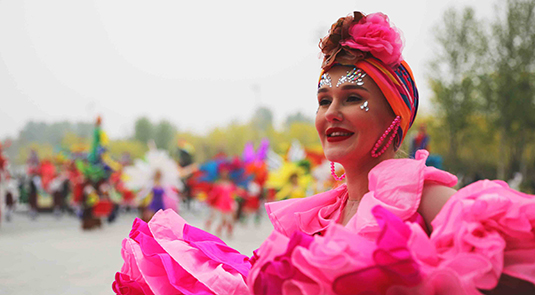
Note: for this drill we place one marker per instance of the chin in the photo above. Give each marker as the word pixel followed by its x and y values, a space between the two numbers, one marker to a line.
pixel 335 155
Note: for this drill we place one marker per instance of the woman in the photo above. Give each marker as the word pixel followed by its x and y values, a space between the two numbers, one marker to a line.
pixel 371 235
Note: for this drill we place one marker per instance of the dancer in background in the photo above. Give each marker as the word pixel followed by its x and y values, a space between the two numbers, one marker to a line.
pixel 420 141
pixel 156 180
pixel 222 199
pixel 155 199
pixel 187 167
pixel 96 169
pixel 4 179
pixel 250 201
pixel 11 197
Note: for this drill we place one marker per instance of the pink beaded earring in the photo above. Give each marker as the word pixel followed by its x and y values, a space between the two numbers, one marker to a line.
pixel 392 128
pixel 333 173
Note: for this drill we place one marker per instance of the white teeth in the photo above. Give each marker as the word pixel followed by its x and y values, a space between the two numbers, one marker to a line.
pixel 339 134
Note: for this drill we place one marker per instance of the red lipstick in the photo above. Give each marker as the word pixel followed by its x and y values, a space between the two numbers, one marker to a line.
pixel 335 134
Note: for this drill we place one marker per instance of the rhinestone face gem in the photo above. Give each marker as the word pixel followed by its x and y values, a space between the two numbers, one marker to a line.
pixel 364 106
pixel 325 80
pixel 353 76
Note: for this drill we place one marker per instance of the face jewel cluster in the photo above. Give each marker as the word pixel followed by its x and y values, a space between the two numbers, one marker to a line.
pixel 325 80
pixel 364 106
pixel 353 76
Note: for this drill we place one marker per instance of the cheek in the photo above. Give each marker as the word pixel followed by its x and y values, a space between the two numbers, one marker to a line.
pixel 360 119
pixel 367 124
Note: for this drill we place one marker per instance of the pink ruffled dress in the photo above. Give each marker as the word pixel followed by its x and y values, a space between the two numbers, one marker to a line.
pixel 484 230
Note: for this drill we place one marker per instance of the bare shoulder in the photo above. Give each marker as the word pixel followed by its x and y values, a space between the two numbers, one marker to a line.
pixel 434 196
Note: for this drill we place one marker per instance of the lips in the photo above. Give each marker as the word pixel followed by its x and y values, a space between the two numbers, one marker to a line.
pixel 335 134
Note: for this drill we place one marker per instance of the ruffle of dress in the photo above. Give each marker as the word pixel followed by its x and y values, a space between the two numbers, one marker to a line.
pixel 339 262
pixel 168 256
pixel 395 184
pixel 484 230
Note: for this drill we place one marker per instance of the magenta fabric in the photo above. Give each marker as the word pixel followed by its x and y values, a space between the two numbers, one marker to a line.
pixel 490 219
pixel 341 262
pixel 168 256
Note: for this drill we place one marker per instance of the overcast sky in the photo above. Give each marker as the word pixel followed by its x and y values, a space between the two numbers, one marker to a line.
pixel 199 64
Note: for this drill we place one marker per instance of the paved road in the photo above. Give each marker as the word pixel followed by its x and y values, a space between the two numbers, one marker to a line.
pixel 51 256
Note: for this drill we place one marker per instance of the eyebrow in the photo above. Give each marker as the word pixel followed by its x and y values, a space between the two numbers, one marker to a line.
pixel 353 86
pixel 344 87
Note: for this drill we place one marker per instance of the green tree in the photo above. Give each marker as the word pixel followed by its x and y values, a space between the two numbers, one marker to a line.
pixel 511 90
pixel 143 130
pixel 164 133
pixel 33 132
pixel 454 75
pixel 297 117
pixel 263 119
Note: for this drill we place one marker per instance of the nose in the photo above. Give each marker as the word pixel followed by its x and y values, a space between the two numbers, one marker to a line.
pixel 333 113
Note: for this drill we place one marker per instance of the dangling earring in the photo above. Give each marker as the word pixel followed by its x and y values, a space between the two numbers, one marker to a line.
pixel 392 128
pixel 333 173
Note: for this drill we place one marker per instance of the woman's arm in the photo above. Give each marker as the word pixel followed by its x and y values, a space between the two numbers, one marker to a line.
pixel 434 196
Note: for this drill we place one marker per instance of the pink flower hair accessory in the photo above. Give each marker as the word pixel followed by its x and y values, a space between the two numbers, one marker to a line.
pixel 358 37
pixel 374 34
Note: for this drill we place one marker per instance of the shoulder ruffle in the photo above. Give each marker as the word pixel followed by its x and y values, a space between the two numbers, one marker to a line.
pixel 397 185
pixel 309 215
pixel 168 256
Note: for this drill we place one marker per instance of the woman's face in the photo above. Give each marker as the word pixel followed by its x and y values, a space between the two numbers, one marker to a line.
pixel 347 131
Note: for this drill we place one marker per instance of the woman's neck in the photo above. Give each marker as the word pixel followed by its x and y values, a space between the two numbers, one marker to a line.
pixel 357 187
pixel 357 180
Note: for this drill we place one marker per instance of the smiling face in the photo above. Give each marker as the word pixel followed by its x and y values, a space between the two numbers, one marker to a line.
pixel 349 127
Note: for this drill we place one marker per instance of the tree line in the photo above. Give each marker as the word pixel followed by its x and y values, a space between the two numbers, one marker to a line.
pixel 50 139
pixel 482 77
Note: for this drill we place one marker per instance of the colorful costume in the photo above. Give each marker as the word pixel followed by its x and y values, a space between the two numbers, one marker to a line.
pixel 221 197
pixel 95 189
pixel 156 179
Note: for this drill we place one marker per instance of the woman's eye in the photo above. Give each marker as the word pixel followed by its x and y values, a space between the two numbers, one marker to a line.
pixel 324 101
pixel 354 98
